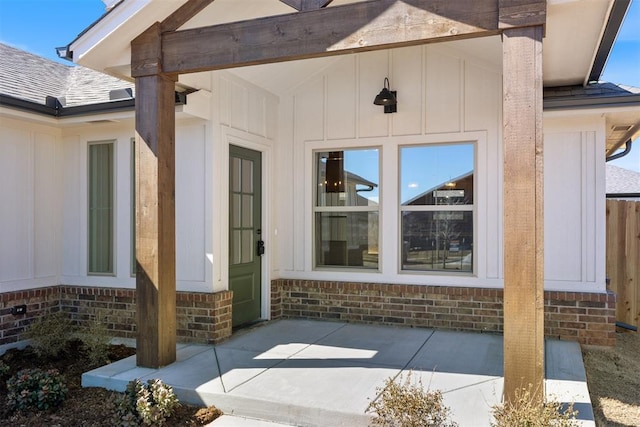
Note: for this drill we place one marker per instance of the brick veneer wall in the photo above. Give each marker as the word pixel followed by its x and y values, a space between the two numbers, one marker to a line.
pixel 39 302
pixel 588 318
pixel 200 317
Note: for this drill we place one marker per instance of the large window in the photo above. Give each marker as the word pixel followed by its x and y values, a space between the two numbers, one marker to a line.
pixel 346 208
pixel 101 203
pixel 436 207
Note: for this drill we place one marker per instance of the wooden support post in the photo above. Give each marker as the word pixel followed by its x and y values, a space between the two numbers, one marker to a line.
pixel 155 208
pixel 523 211
pixel 155 221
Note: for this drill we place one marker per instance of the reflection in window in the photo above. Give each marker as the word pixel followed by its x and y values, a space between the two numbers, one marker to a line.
pixel 437 207
pixel 346 208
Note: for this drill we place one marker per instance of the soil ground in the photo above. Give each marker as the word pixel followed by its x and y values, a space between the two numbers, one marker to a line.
pixel 613 378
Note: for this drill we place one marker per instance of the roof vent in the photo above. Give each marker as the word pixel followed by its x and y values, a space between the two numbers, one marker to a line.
pixel 621 128
pixel 119 94
pixel 53 102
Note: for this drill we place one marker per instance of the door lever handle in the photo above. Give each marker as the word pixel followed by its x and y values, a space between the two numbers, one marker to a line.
pixel 260 248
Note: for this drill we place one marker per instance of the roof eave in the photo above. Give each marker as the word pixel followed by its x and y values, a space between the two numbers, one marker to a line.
pixel 577 103
pixel 614 23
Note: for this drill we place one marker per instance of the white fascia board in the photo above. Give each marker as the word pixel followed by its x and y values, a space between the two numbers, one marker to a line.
pixel 107 44
pixel 104 27
pixel 598 111
pixel 28 116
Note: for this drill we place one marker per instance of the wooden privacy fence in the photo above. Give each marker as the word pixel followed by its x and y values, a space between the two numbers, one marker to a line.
pixel 623 258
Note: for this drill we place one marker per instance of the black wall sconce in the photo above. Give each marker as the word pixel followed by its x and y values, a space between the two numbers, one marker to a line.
pixel 387 98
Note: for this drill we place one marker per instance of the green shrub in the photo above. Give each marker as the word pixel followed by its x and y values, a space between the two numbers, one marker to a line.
pixel 51 334
pixel 525 411
pixel 151 404
pixel 36 388
pixel 409 405
pixel 95 342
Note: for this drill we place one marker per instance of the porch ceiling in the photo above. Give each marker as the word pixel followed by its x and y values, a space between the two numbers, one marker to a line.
pixel 569 50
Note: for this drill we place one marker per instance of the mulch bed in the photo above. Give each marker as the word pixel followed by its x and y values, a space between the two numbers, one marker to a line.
pixel 82 406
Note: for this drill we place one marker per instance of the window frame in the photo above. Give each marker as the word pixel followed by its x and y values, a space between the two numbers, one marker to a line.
pixel 315 209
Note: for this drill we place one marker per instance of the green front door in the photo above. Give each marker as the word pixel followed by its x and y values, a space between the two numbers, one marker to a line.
pixel 245 241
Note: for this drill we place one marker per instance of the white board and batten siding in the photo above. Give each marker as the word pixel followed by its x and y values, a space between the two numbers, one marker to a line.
pixel 444 96
pixel 192 189
pixel 575 216
pixel 44 217
pixel 30 207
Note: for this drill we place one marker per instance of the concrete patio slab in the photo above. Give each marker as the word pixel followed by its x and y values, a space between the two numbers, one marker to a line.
pixel 461 352
pixel 290 335
pixel 235 421
pixel 313 373
pixel 369 344
pixel 240 366
pixel 182 375
pixel 314 390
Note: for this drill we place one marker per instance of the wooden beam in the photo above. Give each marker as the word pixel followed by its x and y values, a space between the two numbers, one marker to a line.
pixel 146 52
pixel 181 16
pixel 155 208
pixel 523 211
pixel 521 13
pixel 371 25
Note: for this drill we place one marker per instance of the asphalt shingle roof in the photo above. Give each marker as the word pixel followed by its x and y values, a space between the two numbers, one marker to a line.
pixel 593 94
pixel 30 77
pixel 620 180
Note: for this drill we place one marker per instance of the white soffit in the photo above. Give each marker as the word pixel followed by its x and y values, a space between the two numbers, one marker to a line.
pixel 573 32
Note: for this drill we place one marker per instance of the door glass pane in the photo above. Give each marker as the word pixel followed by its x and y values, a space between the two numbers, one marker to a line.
pixel 347 239
pixel 235 174
pixel 247 176
pixel 236 207
pixel 235 254
pixel 437 240
pixel 247 246
pixel 437 175
pixel 247 211
pixel 347 178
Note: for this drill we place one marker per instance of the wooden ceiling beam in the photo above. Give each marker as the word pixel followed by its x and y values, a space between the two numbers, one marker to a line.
pixel 371 25
pixel 181 16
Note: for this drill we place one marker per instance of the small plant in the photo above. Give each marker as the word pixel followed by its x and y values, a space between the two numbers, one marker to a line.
pixel 95 343
pixel 4 370
pixel 151 403
pixel 36 388
pixel 525 411
pixel 51 334
pixel 409 405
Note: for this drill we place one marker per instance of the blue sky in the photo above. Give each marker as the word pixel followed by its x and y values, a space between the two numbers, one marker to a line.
pixel 39 26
